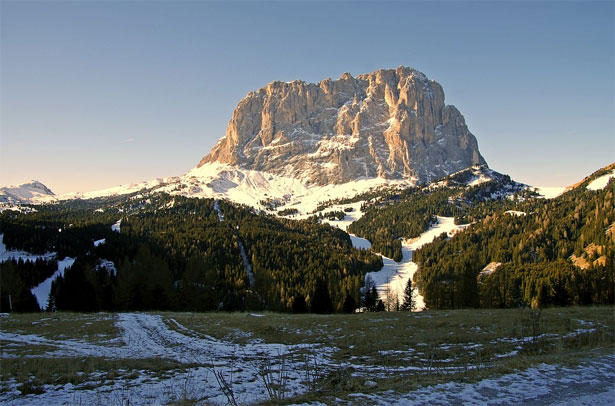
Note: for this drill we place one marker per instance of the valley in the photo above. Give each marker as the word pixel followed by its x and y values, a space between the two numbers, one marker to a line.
pixel 344 243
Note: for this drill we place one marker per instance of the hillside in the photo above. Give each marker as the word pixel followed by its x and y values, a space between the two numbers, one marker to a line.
pixel 179 253
pixel 539 253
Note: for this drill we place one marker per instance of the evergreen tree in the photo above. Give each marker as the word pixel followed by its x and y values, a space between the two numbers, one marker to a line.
pixel 408 305
pixel 369 300
pixel 380 306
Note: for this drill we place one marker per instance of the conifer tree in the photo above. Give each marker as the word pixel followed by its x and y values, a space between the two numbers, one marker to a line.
pixel 408 305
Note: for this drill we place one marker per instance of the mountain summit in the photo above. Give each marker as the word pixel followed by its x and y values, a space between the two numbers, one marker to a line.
pixel 390 123
pixel 25 193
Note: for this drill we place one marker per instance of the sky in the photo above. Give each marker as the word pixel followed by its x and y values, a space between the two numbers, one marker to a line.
pixel 94 94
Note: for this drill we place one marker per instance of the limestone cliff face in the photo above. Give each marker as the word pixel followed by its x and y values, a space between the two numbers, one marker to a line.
pixel 390 123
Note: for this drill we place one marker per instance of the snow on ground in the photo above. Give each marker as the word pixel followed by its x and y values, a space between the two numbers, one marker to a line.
pixel 218 211
pixel 107 265
pixel 549 192
pixel 478 179
pixel 221 181
pixel 23 255
pixel 394 276
pixel 601 182
pixel 42 291
pixel 116 226
pixel 98 242
pixel 149 336
pixel 515 213
pixel 591 383
pixel 360 243
pixel 351 217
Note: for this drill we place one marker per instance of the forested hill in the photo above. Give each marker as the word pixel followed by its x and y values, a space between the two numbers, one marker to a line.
pixel 176 253
pixel 545 252
pixel 468 195
pixel 182 253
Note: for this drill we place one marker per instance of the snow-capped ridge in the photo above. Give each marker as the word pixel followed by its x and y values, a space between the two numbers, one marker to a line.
pixel 25 193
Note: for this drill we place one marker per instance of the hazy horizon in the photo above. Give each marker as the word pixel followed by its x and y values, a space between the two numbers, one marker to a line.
pixel 98 94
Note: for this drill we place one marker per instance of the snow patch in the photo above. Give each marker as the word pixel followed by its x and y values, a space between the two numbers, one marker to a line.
pixel 590 383
pixel 394 276
pixel 43 290
pixel 601 182
pixel 550 192
pixel 21 255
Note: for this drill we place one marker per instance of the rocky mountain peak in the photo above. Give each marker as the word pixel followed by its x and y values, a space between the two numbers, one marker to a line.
pixel 392 123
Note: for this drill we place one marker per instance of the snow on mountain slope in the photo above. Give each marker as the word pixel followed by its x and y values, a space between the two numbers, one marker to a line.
pixel 550 192
pixel 393 276
pixel 25 193
pixel 43 290
pixel 21 255
pixel 601 182
pixel 222 181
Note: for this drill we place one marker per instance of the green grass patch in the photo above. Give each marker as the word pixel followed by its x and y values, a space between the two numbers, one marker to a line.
pixel 90 327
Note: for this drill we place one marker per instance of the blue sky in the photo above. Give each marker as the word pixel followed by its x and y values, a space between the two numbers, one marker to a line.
pixel 96 94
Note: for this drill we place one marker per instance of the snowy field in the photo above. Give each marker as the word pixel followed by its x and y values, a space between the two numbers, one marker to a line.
pixel 591 383
pixel 144 336
pixel 336 359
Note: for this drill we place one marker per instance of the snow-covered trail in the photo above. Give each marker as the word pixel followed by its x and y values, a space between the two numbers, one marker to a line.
pixel 393 276
pixel 148 336
pixel 145 336
pixel 590 383
pixel 43 290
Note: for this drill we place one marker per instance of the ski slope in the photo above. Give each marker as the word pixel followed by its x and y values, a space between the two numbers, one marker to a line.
pixel 393 276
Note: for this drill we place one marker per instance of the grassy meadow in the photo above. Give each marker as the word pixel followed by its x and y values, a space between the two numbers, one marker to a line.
pixel 311 357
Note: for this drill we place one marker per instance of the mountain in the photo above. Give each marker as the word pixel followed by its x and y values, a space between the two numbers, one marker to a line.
pixel 25 193
pixel 391 124
pixel 298 144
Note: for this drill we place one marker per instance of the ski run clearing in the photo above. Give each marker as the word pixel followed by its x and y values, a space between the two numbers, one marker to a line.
pixel 391 280
pixel 41 292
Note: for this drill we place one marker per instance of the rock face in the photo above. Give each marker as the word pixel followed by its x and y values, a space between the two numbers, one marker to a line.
pixel 390 123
